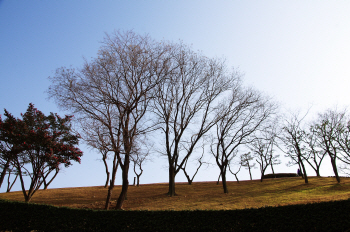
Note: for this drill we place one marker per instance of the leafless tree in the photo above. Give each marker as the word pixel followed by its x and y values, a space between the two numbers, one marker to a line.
pixel 140 154
pixel 96 135
pixel 235 173
pixel 200 162
pixel 185 105
pixel 293 139
pixel 246 159
pixel 315 154
pixel 332 134
pixel 245 112
pixel 115 89
pixel 263 148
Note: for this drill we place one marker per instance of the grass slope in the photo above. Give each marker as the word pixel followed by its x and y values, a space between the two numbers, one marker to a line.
pixel 200 195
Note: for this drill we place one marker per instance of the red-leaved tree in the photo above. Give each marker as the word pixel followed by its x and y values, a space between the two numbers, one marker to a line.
pixel 43 142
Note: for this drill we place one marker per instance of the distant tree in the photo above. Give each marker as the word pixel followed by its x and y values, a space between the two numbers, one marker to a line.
pixel 200 162
pixel 293 139
pixel 95 134
pixel 235 173
pixel 246 159
pixel 45 143
pixel 333 137
pixel 140 154
pixel 314 155
pixel 116 89
pixel 262 147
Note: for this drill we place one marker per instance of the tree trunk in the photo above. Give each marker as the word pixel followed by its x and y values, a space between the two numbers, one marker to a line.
pixel 273 171
pixel 125 172
pixel 304 171
pixel 9 185
pixel 217 183
pixel 250 173
pixel 138 180
pixel 107 172
pixel 112 181
pixel 224 184
pixel 109 195
pixel 171 192
pixel 47 185
pixel 3 173
pixel 335 170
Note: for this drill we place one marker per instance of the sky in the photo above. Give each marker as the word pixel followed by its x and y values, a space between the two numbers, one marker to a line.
pixel 297 52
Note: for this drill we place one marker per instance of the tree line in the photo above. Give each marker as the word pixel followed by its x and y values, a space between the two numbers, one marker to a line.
pixel 137 88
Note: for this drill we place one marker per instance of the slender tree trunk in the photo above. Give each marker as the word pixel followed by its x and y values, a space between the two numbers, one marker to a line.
pixel 217 183
pixel 236 178
pixel 107 172
pixel 138 180
pixel 273 171
pixel 171 192
pixel 3 173
pixel 335 170
pixel 112 181
pixel 9 186
pixel 250 173
pixel 304 170
pixel 47 185
pixel 224 184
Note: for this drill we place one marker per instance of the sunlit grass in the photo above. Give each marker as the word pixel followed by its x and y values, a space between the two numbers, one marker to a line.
pixel 200 195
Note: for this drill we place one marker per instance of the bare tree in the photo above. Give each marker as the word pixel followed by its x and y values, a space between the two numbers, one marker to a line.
pixel 332 133
pixel 263 148
pixel 245 112
pixel 96 135
pixel 315 154
pixel 200 162
pixel 293 138
pixel 246 159
pixel 140 154
pixel 235 173
pixel 115 89
pixel 186 105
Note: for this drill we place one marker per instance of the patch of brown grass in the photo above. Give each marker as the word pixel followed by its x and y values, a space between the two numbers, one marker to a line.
pixel 199 195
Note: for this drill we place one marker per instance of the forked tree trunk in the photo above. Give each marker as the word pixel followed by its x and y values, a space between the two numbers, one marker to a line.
pixel 9 185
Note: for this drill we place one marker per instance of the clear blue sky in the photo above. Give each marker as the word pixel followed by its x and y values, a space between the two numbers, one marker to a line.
pixel 295 51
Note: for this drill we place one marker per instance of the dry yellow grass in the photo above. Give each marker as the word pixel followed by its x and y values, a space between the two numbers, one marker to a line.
pixel 200 195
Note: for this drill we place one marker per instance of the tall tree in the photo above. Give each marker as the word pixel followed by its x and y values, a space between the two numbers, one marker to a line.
pixel 186 107
pixel 116 89
pixel 245 112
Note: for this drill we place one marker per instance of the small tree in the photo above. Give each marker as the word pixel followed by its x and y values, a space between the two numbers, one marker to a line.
pixel 332 131
pixel 293 138
pixel 246 159
pixel 45 143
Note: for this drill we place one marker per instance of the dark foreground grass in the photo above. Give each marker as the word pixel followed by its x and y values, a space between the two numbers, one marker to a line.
pixel 325 216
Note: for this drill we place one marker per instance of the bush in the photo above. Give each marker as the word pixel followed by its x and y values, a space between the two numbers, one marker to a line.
pixel 280 175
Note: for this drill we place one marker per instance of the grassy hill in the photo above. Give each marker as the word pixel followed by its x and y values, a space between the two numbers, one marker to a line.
pixel 199 195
